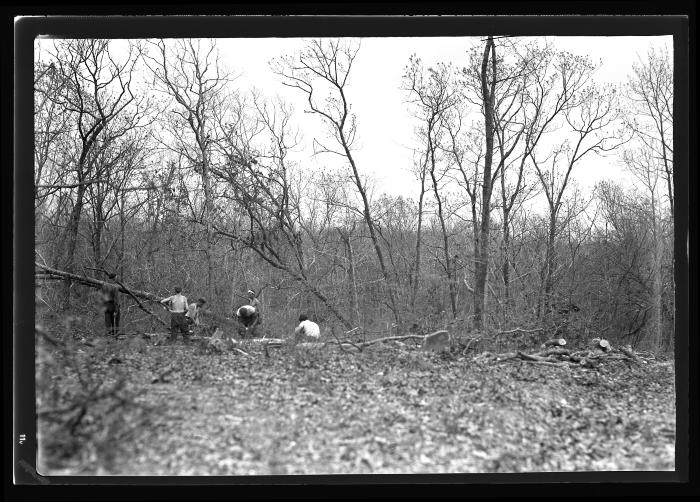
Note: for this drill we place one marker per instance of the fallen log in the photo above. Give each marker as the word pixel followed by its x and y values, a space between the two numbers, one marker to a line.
pixel 95 283
pixel 507 356
pixel 393 338
pixel 555 342
pixel 630 354
pixel 518 330
pixel 561 364
pixel 601 344
pixel 134 293
pixel 554 351
pixel 531 357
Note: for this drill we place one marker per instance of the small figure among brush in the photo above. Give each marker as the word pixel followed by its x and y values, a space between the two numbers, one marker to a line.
pixel 177 306
pixel 110 305
pixel 192 314
pixel 307 330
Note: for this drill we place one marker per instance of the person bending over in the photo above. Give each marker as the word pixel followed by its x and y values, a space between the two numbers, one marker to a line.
pixel 192 314
pixel 307 330
pixel 247 316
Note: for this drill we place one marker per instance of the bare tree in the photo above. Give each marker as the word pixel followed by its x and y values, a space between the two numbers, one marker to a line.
pixel 191 74
pixel 488 77
pixel 321 71
pixel 650 120
pixel 590 115
pixel 650 89
pixel 51 126
pixel 433 93
pixel 260 186
pixel 96 91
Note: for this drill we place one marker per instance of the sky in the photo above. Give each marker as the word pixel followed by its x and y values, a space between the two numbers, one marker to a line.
pixel 385 126
pixel 386 129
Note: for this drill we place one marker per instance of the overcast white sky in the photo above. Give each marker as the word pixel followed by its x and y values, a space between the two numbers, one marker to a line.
pixel 386 129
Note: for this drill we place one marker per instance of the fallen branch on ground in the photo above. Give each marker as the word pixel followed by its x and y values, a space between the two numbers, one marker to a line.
pixel 519 330
pixel 600 350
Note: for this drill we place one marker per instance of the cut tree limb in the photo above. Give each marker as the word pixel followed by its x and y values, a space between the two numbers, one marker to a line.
pixel 601 344
pixel 555 342
pixel 519 330
pixel 391 338
pixel 554 351
pixel 134 293
pixel 630 354
pixel 95 283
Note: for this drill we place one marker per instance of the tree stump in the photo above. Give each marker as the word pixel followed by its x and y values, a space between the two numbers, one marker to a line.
pixel 555 342
pixel 601 344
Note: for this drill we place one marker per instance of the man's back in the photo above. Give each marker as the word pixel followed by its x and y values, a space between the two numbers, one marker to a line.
pixel 310 328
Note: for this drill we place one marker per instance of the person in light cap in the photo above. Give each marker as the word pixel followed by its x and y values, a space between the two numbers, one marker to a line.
pixel 253 301
pixel 307 329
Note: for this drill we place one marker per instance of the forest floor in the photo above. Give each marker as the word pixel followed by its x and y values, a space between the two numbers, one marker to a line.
pixel 388 409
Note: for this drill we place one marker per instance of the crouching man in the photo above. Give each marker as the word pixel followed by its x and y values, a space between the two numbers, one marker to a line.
pixel 307 330
pixel 192 314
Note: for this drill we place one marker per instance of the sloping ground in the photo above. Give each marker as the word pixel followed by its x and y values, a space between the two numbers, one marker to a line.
pixel 387 410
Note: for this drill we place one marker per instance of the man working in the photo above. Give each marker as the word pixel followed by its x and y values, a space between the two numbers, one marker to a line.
pixel 247 315
pixel 110 305
pixel 256 304
pixel 177 305
pixel 307 330
pixel 192 314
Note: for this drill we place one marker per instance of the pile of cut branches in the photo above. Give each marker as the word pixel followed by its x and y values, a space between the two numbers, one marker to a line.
pixel 554 353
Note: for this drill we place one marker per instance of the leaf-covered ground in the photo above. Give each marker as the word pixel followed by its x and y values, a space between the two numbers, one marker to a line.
pixel 389 409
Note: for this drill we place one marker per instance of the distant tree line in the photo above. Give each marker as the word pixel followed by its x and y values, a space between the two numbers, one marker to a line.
pixel 151 162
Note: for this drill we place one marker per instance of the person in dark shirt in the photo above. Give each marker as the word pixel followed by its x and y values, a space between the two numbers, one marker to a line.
pixel 110 305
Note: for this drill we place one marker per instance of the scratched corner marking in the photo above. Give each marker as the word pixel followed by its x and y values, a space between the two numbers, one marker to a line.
pixel 28 468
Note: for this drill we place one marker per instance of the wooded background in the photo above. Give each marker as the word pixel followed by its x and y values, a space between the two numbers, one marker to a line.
pixel 150 162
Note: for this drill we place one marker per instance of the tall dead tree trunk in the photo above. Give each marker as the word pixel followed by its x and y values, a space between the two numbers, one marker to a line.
pixel 419 236
pixel 487 91
pixel 352 276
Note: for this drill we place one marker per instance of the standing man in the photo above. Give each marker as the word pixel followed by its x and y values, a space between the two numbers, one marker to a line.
pixel 110 305
pixel 193 314
pixel 177 305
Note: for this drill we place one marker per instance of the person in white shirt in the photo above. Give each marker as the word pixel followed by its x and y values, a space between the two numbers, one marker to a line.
pixel 307 329
pixel 192 314
pixel 177 305
pixel 247 315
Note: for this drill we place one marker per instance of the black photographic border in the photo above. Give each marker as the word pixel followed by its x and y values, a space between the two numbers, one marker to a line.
pixel 319 20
